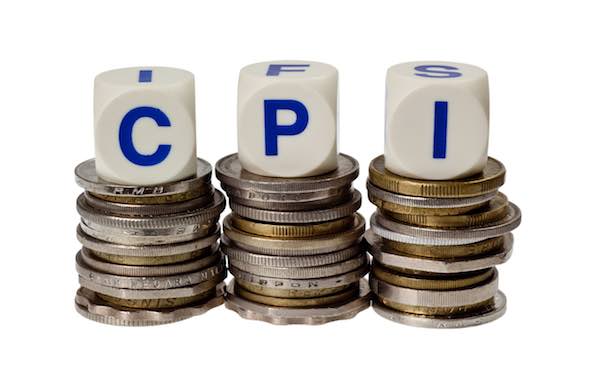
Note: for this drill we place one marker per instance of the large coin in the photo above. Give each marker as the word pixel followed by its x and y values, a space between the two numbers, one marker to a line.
pixel 327 300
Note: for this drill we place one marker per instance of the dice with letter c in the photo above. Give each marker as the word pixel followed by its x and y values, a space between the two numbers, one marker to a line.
pixel 144 125
pixel 287 118
pixel 436 120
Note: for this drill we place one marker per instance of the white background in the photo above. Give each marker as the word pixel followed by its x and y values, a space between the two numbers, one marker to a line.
pixel 542 61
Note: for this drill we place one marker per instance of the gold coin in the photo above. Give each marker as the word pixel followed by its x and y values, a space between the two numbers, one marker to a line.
pixel 489 180
pixel 495 210
pixel 161 303
pixel 289 293
pixel 431 282
pixel 455 312
pixel 392 207
pixel 298 302
pixel 158 199
pixel 292 230
pixel 158 260
pixel 484 247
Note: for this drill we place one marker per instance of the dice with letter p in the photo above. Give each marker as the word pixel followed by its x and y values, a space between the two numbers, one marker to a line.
pixel 436 120
pixel 287 118
pixel 144 125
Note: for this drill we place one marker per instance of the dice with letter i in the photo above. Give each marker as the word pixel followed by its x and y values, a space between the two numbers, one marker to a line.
pixel 287 118
pixel 436 120
pixel 144 125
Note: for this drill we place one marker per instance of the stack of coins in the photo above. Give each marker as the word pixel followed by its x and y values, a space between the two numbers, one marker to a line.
pixel 150 253
pixel 294 245
pixel 435 245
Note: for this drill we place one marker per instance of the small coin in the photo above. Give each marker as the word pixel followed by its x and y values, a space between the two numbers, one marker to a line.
pixel 302 273
pixel 453 312
pixel 490 180
pixel 161 303
pixel 307 316
pixel 299 217
pixel 236 254
pixel 192 217
pixel 327 300
pixel 147 251
pixel 86 177
pixel 229 171
pixel 291 230
pixel 301 246
pixel 421 205
pixel 289 293
pixel 133 209
pixel 448 282
pixel 495 210
pixel 209 257
pixel 296 201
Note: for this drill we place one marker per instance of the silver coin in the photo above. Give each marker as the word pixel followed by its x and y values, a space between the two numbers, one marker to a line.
pixel 312 216
pixel 131 209
pixel 150 270
pixel 307 316
pixel 98 245
pixel 454 265
pixel 302 273
pixel 92 307
pixel 423 202
pixel 236 254
pixel 329 202
pixel 301 284
pixel 498 309
pixel 487 231
pixel 435 298
pixel 229 171
pixel 191 217
pixel 147 237
pixel 86 177
pixel 147 282
pixel 403 238
pixel 302 247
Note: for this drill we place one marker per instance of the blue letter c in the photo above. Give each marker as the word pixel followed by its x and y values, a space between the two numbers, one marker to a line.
pixel 126 136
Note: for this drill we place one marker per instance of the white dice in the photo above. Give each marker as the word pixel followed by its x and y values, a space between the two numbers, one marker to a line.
pixel 436 125
pixel 287 118
pixel 145 125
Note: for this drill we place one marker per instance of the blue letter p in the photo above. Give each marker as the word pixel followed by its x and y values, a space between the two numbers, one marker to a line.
pixel 272 129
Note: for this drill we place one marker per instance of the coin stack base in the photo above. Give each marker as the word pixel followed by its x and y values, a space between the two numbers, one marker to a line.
pixel 294 245
pixel 150 254
pixel 435 245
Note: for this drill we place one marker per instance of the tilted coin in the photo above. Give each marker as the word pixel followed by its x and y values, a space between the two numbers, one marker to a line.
pixel 148 237
pixel 289 293
pixel 313 216
pixel 297 201
pixel 89 305
pixel 488 181
pixel 302 273
pixel 308 316
pixel 301 284
pixel 435 298
pixel 302 247
pixel 190 217
pixel 486 231
pixel 450 311
pixel 164 250
pixel 157 303
pixel 449 282
pixel 419 203
pixel 236 254
pixel 229 171
pixel 496 310
pixel 147 282
pixel 496 209
pixel 86 177
pixel 439 265
pixel 327 300
pixel 291 230
pixel 133 209
pixel 97 263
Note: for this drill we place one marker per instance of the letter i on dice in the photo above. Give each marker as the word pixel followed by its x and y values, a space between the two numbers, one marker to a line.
pixel 287 118
pixel 144 125
pixel 436 120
